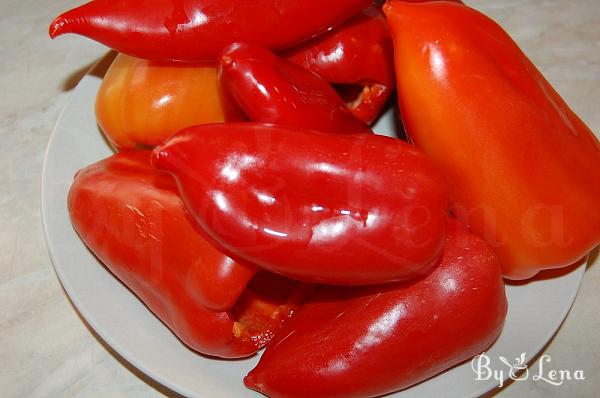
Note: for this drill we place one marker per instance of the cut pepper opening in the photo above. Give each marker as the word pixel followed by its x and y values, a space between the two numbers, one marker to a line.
pixel 265 305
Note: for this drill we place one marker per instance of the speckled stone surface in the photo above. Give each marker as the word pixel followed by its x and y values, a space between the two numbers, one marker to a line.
pixel 46 349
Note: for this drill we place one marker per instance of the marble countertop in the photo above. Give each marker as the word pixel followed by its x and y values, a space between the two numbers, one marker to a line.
pixel 47 350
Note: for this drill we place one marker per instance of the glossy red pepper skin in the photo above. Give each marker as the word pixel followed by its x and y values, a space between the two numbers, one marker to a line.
pixel 359 52
pixel 371 341
pixel 270 89
pixel 196 30
pixel 133 220
pixel 339 209
pixel 523 169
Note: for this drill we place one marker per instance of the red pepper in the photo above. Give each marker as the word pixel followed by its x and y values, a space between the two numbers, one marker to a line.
pixel 133 220
pixel 524 170
pixel 371 341
pixel 357 53
pixel 341 209
pixel 196 30
pixel 270 89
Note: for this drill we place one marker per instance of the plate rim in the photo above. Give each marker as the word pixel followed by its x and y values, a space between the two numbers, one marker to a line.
pixel 85 314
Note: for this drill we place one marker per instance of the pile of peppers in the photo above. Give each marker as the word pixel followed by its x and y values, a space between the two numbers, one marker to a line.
pixel 250 205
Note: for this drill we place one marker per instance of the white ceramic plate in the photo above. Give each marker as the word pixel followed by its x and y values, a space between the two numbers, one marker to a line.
pixel 536 309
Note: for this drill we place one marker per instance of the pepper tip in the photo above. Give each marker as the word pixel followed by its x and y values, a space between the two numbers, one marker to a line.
pixel 386 8
pixel 57 27
pixel 251 382
pixel 158 158
pixel 226 61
